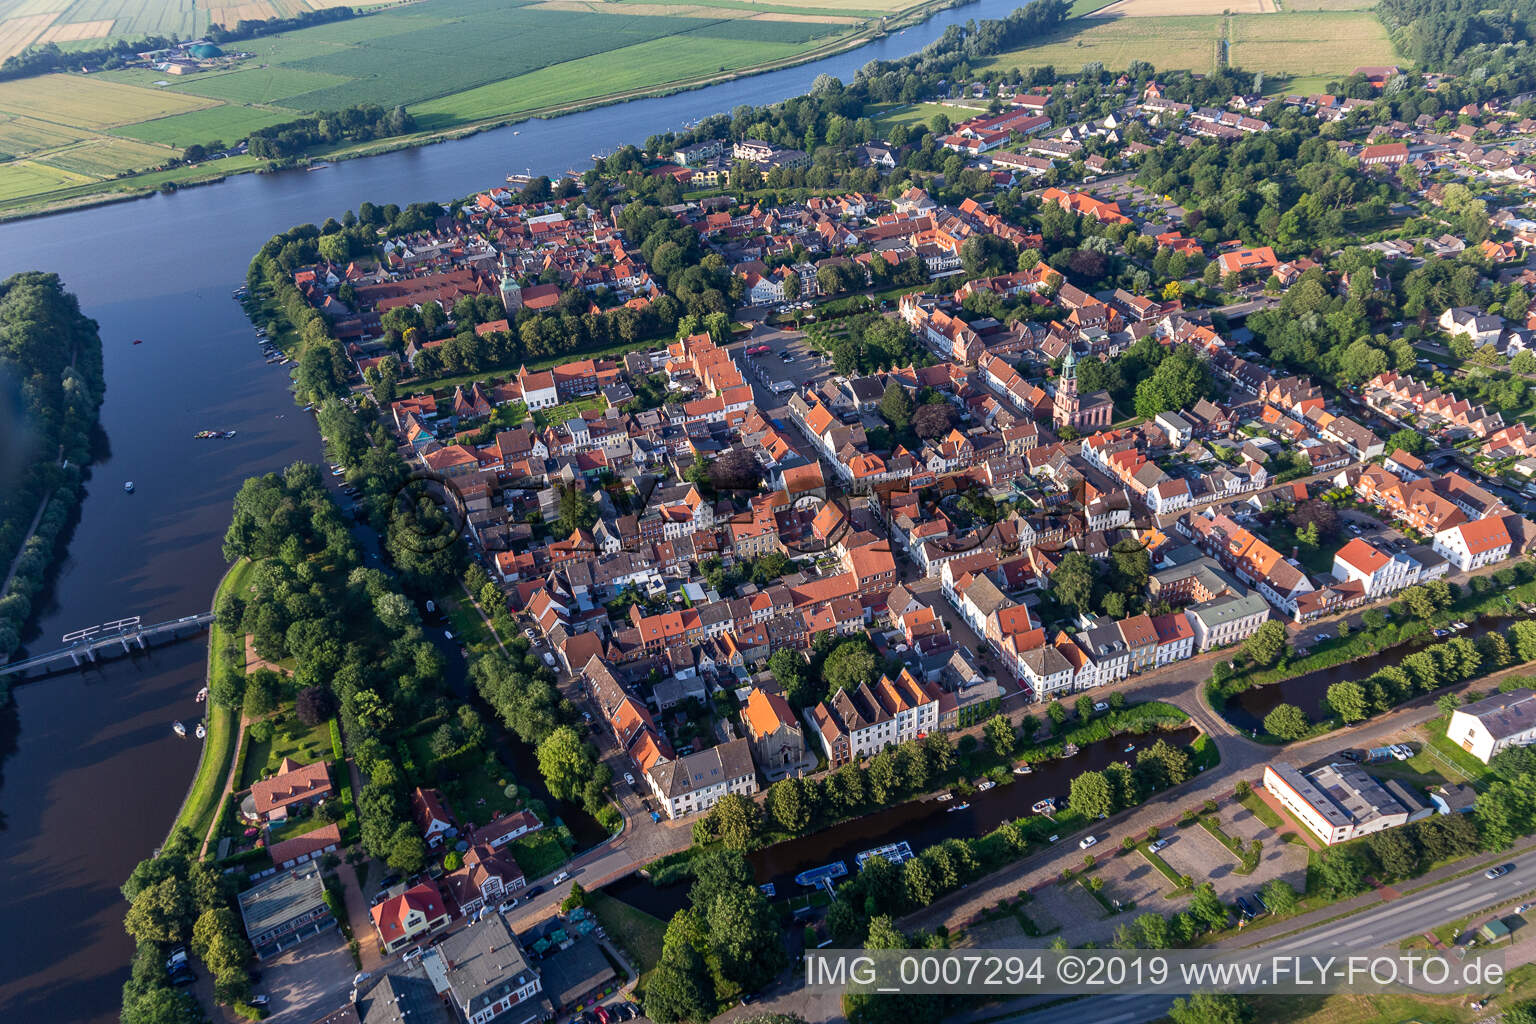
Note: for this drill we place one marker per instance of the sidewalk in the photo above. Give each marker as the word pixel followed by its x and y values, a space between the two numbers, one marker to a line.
pixel 358 917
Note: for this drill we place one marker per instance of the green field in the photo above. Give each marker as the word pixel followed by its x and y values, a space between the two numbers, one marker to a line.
pixel 19 135
pixel 1310 43
pixel 911 114
pixel 1176 42
pixel 20 179
pixel 103 158
pixel 78 102
pixel 226 123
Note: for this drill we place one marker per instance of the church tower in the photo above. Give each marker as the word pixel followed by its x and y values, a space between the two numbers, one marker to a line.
pixel 511 294
pixel 1065 404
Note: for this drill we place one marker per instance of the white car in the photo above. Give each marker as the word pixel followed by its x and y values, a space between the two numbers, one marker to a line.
pixel 629 778
pixel 1101 706
pixel 563 876
pixel 531 633
pixel 510 904
pixel 1086 842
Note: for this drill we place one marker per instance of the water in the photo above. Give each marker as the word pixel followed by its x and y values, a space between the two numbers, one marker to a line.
pixel 921 823
pixel 92 775
pixel 1246 710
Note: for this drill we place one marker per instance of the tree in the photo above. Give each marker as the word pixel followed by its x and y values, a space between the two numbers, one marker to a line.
pixel 745 937
pixel 565 762
pixel 1091 796
pixel 1057 714
pixel 1000 736
pixel 314 705
pixel 408 851
pixel 162 912
pixel 1340 872
pixel 577 511
pixel 1394 853
pixel 1072 581
pixel 789 669
pixel 933 419
pixel 789 805
pixel 850 664
pixel 1287 722
pixel 1279 897
pixel 1411 441
pixel 1210 1008
pixel 1207 908
pixel 1347 699
pixel 735 819
pixel 896 407
pixel 679 989
pixel 1267 643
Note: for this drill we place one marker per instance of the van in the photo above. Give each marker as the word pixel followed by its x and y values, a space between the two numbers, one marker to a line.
pixel 564 876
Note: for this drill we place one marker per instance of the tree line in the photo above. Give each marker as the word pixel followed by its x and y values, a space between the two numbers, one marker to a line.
pixel 51 388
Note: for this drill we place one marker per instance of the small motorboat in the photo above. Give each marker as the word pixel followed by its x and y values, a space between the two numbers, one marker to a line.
pixel 1045 806
pixel 1023 769
pixel 178 729
pixel 128 486
pixel 201 732
pixel 946 796
pixel 982 787
pixel 1070 750
pixel 202 695
pixel 962 805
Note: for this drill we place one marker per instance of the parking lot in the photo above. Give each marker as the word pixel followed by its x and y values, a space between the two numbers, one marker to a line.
pixel 805 366
pixel 305 979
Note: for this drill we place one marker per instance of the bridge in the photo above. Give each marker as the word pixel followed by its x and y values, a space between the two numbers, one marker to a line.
pixel 102 642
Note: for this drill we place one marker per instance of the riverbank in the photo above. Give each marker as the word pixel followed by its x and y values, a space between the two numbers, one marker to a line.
pixel 139 186
pixel 213 769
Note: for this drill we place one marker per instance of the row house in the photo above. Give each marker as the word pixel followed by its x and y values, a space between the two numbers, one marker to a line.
pixel 1415 503
pixel 856 724
pixel 1251 559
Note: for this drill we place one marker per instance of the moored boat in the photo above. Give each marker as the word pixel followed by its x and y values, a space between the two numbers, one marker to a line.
pixel 128 486
pixel 826 873
pixel 1070 750
pixel 178 729
pixel 893 852
pixel 1045 806
pixel 201 732
pixel 1023 769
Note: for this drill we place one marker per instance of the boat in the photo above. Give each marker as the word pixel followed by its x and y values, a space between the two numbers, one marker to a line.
pixel 213 435
pixel 962 805
pixel 138 341
pixel 893 852
pixel 1045 806
pixel 1023 769
pixel 128 486
pixel 178 729
pixel 1129 747
pixel 1070 750
pixel 826 873
pixel 946 796
pixel 767 889
pixel 202 695
pixel 982 787
pixel 515 132
pixel 201 732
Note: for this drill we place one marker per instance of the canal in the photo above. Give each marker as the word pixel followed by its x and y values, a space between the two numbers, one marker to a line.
pixel 920 823
pixel 92 775
pixel 1246 710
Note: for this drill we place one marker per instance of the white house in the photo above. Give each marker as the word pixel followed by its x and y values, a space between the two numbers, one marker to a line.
pixel 1381 572
pixel 1473 545
pixel 1046 670
pixel 1486 727
pixel 1226 620
pixel 694 784
pixel 1339 802
pixel 1481 328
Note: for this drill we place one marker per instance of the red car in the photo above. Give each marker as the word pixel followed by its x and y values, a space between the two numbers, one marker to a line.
pixel 602 1014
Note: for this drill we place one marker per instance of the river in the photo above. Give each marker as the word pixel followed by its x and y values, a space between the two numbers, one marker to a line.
pixel 91 774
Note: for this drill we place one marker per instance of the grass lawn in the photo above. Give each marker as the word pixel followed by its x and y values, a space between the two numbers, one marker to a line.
pixel 290 738
pixel 911 114
pixel 540 853
pixel 1261 810
pixel 478 797
pixel 1442 757
pixel 569 411
pixel 467 625
pixel 202 801
pixel 637 933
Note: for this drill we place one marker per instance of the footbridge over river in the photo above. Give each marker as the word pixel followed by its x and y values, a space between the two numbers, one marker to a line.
pixel 116 639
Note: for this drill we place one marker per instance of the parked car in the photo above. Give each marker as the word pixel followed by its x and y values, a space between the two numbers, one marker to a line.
pixel 177 959
pixel 1244 908
pixel 629 778
pixel 563 876
pixel 260 1000
pixel 602 1014
pixel 510 904
pixel 1087 841
pixel 1101 705
pixel 531 633
pixel 1159 845
pixel 183 976
pixel 537 890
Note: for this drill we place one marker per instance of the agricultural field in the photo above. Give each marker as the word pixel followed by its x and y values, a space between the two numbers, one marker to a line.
pixel 106 158
pixel 1188 42
pixel 1296 51
pixel 1316 43
pixel 1329 5
pixel 1182 8
pixel 79 102
pixel 21 179
pixel 222 124
pixel 21 135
